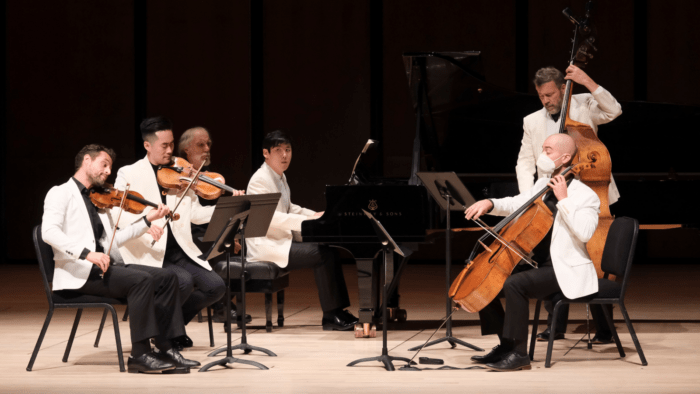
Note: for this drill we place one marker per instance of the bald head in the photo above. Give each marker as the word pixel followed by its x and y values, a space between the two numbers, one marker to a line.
pixel 563 143
pixel 561 148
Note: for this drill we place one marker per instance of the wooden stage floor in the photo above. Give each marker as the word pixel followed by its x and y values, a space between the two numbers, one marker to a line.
pixel 663 302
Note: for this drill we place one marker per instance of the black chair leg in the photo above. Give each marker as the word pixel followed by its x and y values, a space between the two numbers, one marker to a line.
pixel 72 334
pixel 268 312
pixel 199 317
pixel 239 307
pixel 535 323
pixel 552 330
pixel 102 325
pixel 211 328
pixel 280 308
pixel 40 340
pixel 633 334
pixel 608 317
pixel 117 338
pixel 126 313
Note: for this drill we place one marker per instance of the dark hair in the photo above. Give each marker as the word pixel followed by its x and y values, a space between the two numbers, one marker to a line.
pixel 275 138
pixel 548 74
pixel 150 126
pixel 93 150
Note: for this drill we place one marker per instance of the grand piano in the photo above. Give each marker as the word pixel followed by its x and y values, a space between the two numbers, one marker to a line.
pixel 456 109
pixel 401 208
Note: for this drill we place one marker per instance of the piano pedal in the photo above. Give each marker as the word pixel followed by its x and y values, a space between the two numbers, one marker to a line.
pixel 365 330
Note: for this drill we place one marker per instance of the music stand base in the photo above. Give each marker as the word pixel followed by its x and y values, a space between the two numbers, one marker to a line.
pixel 246 350
pixel 230 360
pixel 386 359
pixel 451 340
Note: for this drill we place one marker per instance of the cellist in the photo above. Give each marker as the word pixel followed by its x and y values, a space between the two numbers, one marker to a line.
pixel 567 269
pixel 594 108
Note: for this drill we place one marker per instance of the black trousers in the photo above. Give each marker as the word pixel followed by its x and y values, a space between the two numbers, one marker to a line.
pixel 493 315
pixel 151 293
pixel 330 281
pixel 518 289
pixel 199 287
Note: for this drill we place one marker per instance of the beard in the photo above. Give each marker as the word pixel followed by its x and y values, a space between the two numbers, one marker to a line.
pixel 96 180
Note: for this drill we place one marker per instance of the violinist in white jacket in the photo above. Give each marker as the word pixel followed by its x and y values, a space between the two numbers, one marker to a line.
pixel 80 235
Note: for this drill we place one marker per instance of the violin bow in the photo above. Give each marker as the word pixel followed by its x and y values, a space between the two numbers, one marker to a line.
pixel 189 185
pixel 116 225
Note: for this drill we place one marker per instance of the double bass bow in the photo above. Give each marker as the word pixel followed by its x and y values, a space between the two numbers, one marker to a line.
pixel 591 150
pixel 514 238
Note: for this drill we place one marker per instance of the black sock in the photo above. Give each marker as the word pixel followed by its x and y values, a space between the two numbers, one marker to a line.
pixel 163 344
pixel 140 348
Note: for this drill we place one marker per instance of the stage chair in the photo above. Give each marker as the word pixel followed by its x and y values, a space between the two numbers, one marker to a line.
pixel 617 260
pixel 65 299
pixel 261 277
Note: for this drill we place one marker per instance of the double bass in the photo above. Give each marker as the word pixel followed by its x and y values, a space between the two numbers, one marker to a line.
pixel 591 151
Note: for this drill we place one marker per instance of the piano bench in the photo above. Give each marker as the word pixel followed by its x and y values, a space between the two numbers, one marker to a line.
pixel 261 277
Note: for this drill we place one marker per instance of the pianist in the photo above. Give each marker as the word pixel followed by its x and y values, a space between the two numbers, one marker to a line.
pixel 280 246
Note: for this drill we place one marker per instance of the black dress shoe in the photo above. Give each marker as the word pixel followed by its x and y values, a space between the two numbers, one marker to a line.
pixel 220 316
pixel 148 363
pixel 341 321
pixel 493 356
pixel 511 361
pixel 544 335
pixel 602 339
pixel 182 342
pixel 173 356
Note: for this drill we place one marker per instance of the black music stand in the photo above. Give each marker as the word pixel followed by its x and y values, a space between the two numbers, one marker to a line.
pixel 449 192
pixel 388 249
pixel 230 221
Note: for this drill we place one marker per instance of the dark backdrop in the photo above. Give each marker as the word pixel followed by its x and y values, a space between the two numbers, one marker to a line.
pixel 329 72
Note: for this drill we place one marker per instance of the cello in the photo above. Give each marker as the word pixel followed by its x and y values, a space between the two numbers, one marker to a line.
pixel 515 237
pixel 591 151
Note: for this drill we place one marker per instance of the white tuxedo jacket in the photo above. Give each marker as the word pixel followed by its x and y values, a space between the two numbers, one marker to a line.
pixel 287 218
pixel 66 226
pixel 592 109
pixel 574 225
pixel 139 250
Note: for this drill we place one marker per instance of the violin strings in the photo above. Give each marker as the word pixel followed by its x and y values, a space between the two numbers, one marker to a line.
pixel 189 185
pixel 504 242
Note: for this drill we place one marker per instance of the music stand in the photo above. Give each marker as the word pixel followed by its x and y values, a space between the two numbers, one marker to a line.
pixel 230 221
pixel 451 194
pixel 388 249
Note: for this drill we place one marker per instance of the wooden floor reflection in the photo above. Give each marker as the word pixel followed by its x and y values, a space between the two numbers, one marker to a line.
pixel 663 302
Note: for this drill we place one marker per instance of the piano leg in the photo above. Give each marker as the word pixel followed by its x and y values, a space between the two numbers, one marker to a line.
pixel 368 286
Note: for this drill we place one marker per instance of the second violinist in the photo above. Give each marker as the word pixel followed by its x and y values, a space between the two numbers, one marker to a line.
pixel 175 251
pixel 564 264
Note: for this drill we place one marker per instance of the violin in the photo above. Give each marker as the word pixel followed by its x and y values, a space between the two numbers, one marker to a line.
pixel 590 149
pixel 515 238
pixel 107 197
pixel 208 185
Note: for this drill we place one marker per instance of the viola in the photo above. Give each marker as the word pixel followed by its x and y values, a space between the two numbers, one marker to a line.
pixel 107 197
pixel 208 185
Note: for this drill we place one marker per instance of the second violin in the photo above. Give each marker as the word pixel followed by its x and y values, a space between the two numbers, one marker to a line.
pixel 208 185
